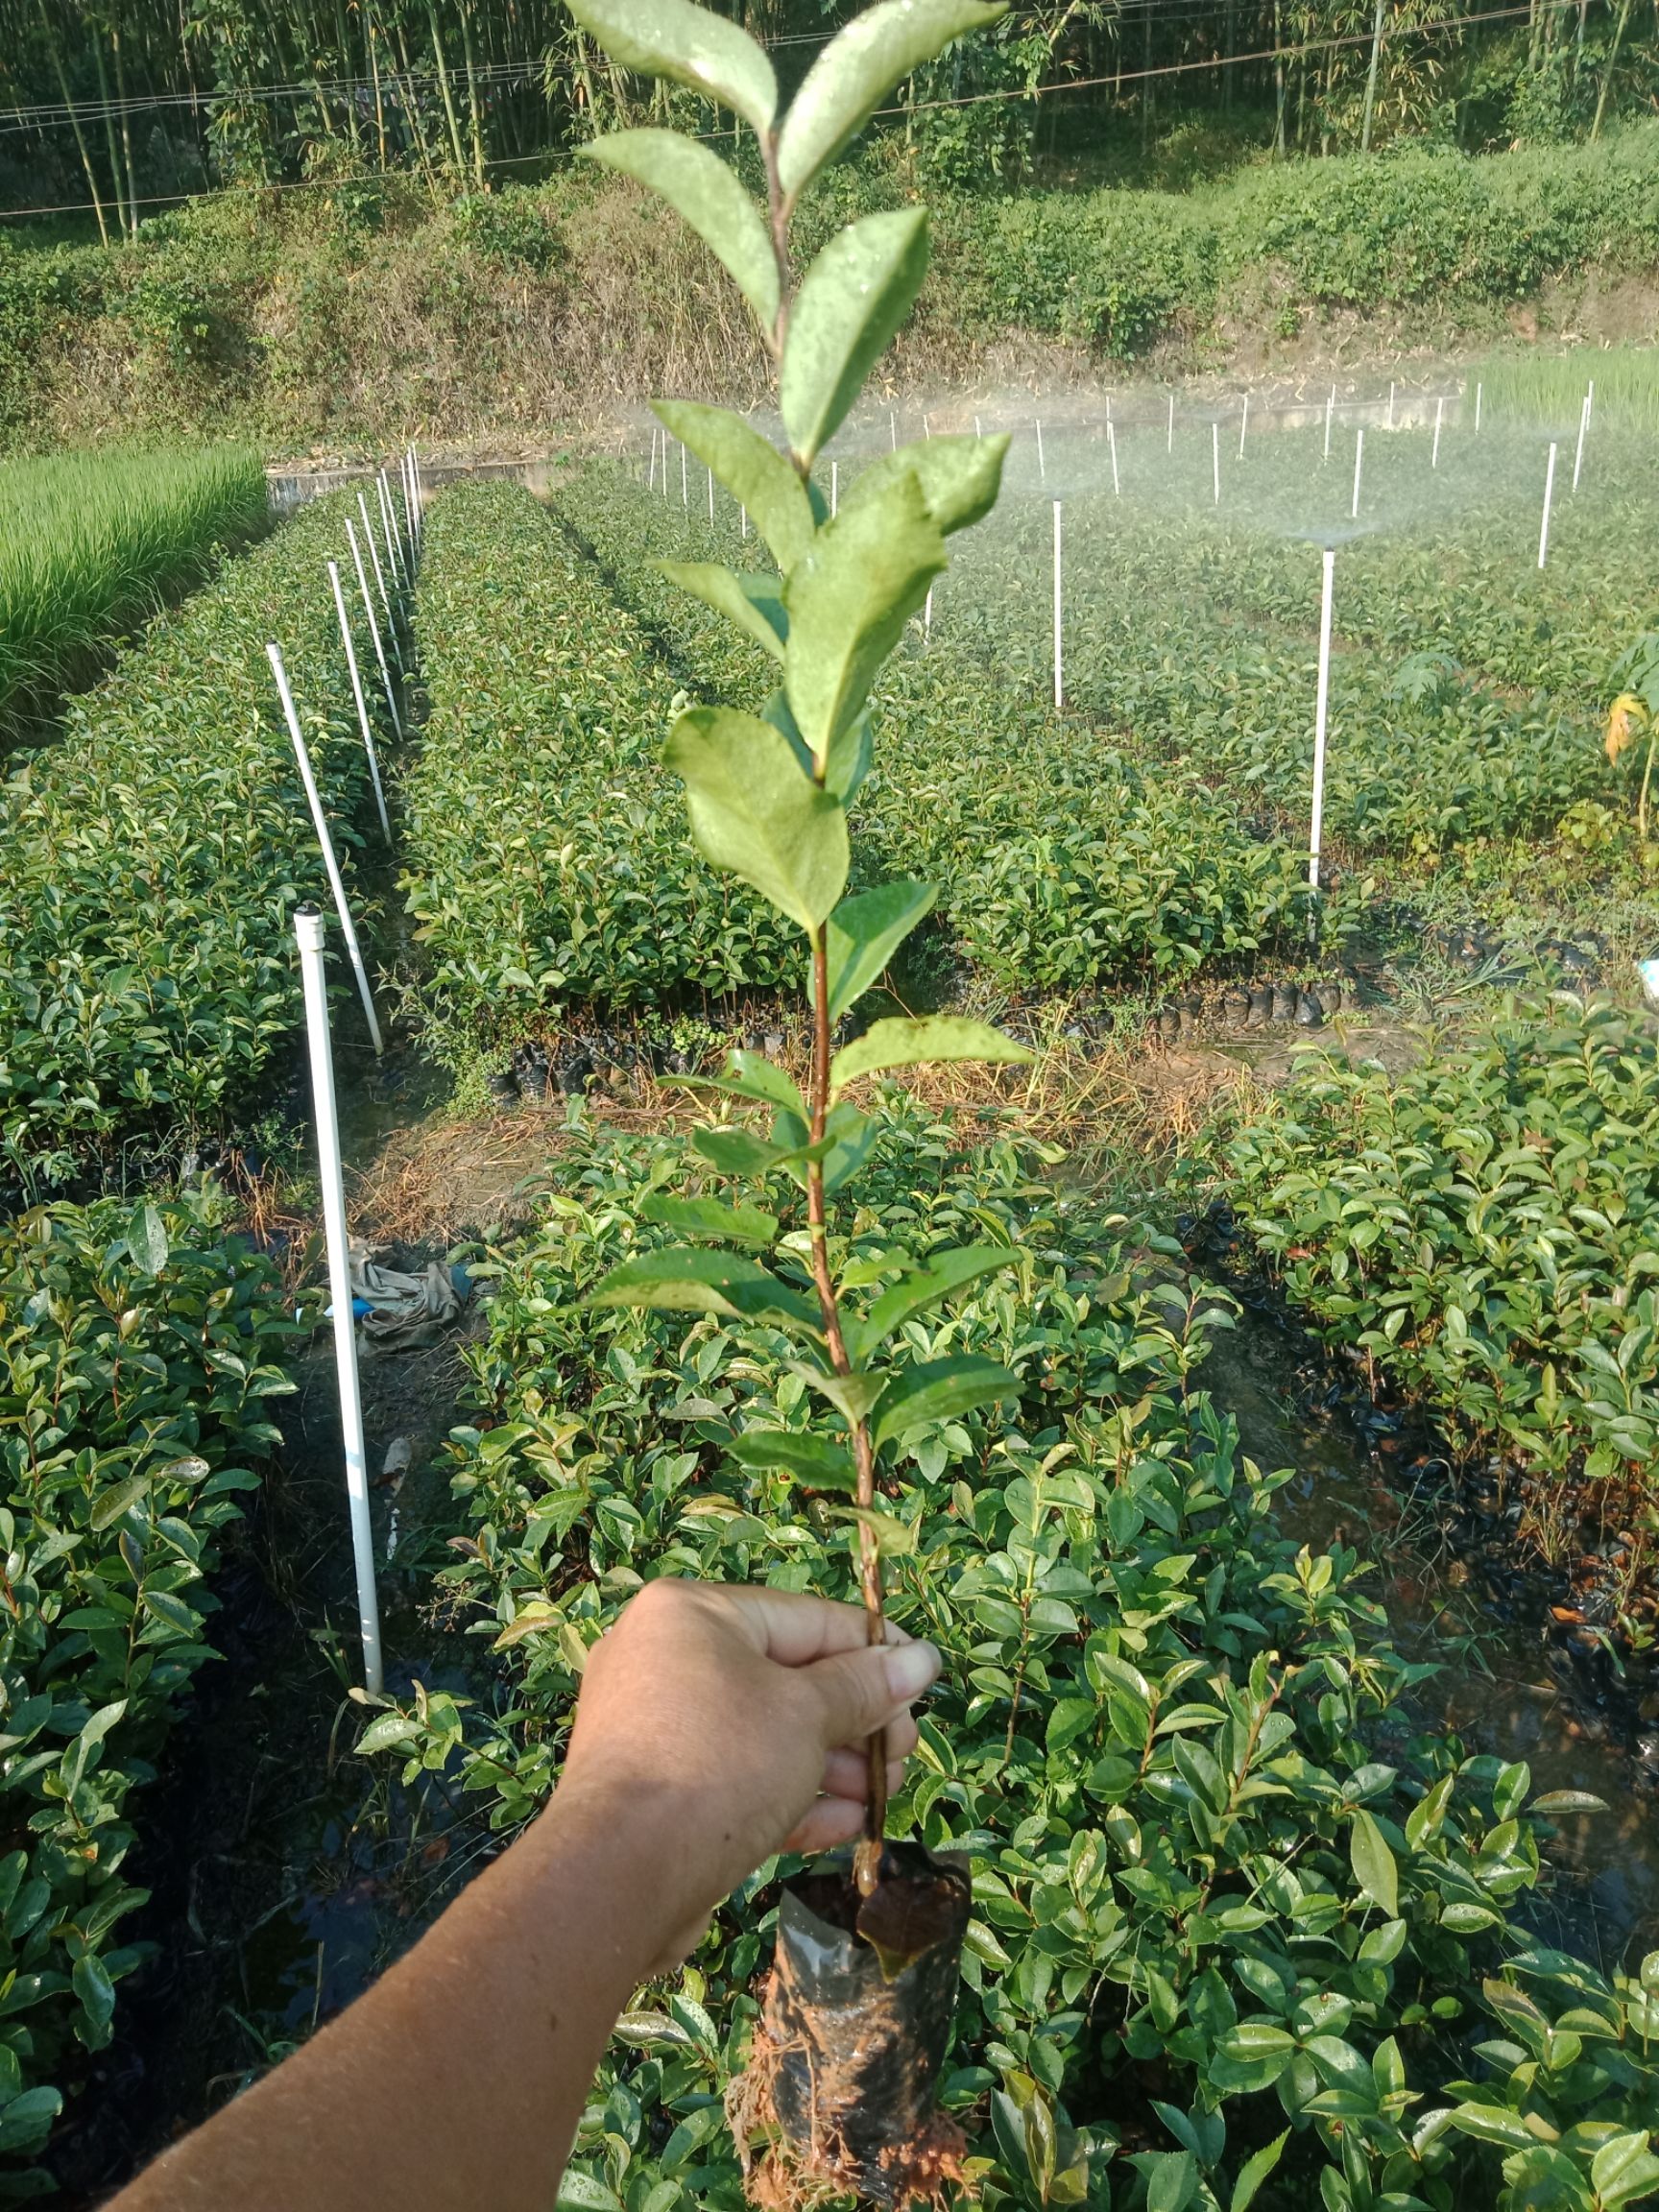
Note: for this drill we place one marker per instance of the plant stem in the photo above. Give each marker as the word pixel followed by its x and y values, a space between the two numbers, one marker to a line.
pixel 867 1861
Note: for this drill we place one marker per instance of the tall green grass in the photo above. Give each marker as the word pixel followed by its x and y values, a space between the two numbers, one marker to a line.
pixel 92 545
pixel 1549 387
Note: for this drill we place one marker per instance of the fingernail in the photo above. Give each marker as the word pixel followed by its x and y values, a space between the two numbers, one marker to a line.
pixel 909 1667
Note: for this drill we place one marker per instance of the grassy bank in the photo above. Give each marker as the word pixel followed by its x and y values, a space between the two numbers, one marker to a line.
pixel 359 312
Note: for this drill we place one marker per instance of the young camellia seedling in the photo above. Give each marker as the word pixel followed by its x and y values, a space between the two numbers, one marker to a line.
pixel 768 794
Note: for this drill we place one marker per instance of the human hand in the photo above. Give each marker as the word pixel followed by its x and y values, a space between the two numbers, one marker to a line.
pixel 733 1718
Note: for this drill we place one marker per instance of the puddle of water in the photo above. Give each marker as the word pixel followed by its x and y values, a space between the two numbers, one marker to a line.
pixel 1494 1688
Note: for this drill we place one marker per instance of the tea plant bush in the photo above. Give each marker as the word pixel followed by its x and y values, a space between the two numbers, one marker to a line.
pixel 547 860
pixel 1063 859
pixel 92 545
pixel 138 1347
pixel 1483 1228
pixel 1239 1932
pixel 151 859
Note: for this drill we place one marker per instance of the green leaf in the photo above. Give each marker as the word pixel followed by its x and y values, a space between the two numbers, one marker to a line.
pixel 752 1075
pixel 710 1218
pixel 753 813
pixel 1568 1801
pixel 682 1280
pixel 920 1287
pixel 938 1390
pixel 1254 2170
pixel 854 1396
pixel 1493 2123
pixel 94 1988
pixel 690 44
pixel 162 1605
pixel 702 190
pixel 752 469
pixel 866 931
pixel 907 1044
pixel 849 599
pixel 736 1151
pixel 754 603
pixel 849 1138
pixel 1171 2177
pixel 894 1538
pixel 1623 2170
pixel 110 1505
pixel 148 1242
pixel 1071 1717
pixel 855 72
pixel 1374 1867
pixel 581 2193
pixel 960 478
pixel 387 1733
pixel 850 301
pixel 811 1459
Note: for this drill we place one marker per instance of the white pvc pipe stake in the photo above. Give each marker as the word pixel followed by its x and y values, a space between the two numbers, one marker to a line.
pixel 1583 426
pixel 1330 411
pixel 1390 406
pixel 420 494
pixel 308 932
pixel 1170 440
pixel 834 489
pixel 927 615
pixel 1041 465
pixel 373 626
pixel 1215 458
pixel 408 508
pixel 1589 398
pixel 357 694
pixel 1359 466
pixel 1440 417
pixel 1112 445
pixel 978 432
pixel 1058 667
pixel 1243 425
pixel 379 572
pixel 320 822
pixel 893 429
pixel 1321 706
pixel 1548 494
pixel 926 427
pixel 745 514
pixel 1479 395
pixel 388 524
pixel 685 482
pixel 651 471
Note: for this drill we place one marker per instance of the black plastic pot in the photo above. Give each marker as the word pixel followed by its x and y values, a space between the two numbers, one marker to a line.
pixel 503 1087
pixel 857 2015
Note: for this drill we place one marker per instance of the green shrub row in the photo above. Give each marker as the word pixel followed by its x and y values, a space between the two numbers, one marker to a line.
pixel 546 858
pixel 1232 1919
pixel 1064 859
pixel 137 1349
pixel 91 544
pixel 1423 225
pixel 150 863
pixel 1484 1229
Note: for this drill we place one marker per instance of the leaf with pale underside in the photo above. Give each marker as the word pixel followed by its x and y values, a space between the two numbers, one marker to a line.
pixel 810 1459
pixel 683 1280
pixel 754 603
pixel 690 44
pixel 960 478
pixel 865 932
pixel 707 194
pixel 752 469
pixel 754 815
pixel 848 599
pixel 850 301
pixel 920 1044
pixel 939 1390
pixel 711 1218
pixel 861 64
pixel 894 1538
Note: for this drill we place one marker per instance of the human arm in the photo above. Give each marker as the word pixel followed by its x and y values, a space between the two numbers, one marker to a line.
pixel 716 1726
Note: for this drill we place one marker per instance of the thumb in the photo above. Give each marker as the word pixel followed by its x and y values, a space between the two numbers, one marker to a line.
pixel 858 1691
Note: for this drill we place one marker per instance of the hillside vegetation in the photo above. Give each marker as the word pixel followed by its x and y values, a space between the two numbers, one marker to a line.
pixel 359 313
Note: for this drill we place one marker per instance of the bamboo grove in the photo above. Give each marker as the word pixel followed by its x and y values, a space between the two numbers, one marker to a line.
pixel 114 110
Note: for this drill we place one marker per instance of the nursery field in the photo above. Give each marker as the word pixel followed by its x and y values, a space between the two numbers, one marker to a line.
pixel 1260 1912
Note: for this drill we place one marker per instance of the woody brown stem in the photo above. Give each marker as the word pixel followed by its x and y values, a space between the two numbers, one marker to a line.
pixel 866 1865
